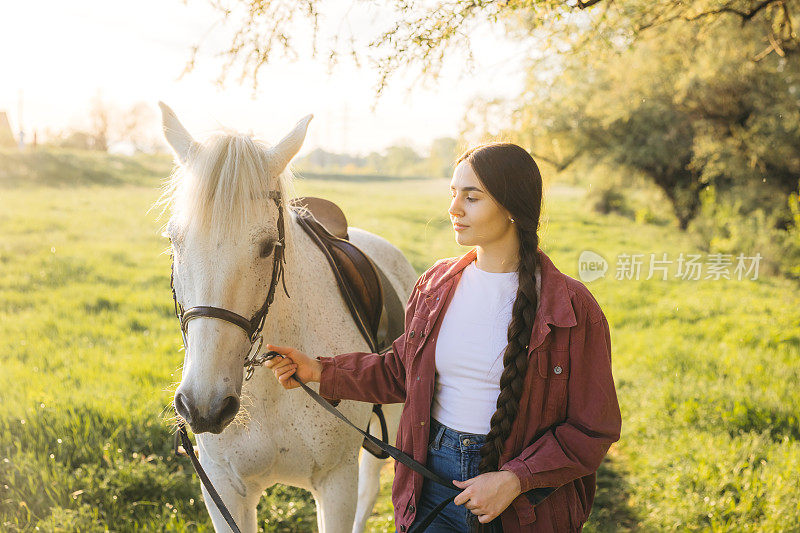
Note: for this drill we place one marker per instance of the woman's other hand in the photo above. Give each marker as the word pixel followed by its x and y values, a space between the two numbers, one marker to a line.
pixel 293 362
pixel 487 495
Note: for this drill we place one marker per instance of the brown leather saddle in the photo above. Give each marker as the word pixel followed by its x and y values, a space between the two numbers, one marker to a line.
pixel 374 304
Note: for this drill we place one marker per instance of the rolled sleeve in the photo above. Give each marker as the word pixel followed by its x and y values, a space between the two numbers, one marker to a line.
pixel 327 379
pixel 364 376
pixel 518 468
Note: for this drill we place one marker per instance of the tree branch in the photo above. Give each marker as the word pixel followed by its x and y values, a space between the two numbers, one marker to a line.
pixel 425 33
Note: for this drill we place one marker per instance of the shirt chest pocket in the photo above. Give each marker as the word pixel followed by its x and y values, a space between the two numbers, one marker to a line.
pixel 553 368
pixel 553 363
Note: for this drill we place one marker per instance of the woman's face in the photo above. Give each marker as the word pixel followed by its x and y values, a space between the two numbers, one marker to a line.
pixel 478 220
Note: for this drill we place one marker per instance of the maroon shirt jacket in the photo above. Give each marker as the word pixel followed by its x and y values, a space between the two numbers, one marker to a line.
pixel 568 414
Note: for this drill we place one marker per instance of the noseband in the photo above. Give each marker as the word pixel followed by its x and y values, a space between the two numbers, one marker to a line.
pixel 253 326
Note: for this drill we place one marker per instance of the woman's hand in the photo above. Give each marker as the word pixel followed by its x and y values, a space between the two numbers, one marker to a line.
pixel 488 495
pixel 293 362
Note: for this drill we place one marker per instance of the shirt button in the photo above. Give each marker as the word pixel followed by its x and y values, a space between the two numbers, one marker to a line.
pixel 403 528
pixel 422 423
pixel 412 509
pixel 557 370
pixel 411 335
pixel 417 378
pixel 437 298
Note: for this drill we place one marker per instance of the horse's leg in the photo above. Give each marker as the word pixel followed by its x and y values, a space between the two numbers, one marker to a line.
pixel 336 497
pixel 369 473
pixel 240 499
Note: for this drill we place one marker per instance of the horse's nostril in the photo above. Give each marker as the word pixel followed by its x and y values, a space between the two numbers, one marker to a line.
pixel 230 406
pixel 182 408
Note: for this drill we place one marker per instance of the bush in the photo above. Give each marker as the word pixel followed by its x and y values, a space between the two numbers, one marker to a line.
pixel 609 199
pixel 726 225
pixel 644 215
pixel 790 258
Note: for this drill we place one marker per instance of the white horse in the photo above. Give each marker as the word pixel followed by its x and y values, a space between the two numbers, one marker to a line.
pixel 223 229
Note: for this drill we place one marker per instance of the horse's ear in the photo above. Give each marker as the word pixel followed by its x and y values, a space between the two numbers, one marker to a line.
pixel 285 150
pixel 178 138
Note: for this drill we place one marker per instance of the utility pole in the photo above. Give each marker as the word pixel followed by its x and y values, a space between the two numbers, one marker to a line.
pixel 19 120
pixel 345 129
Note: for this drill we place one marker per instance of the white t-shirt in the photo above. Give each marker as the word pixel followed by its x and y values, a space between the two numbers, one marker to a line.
pixel 469 350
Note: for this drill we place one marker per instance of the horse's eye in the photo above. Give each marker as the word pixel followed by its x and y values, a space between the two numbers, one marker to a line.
pixel 266 248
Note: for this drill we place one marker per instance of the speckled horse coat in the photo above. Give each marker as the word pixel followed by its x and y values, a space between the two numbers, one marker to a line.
pixel 221 229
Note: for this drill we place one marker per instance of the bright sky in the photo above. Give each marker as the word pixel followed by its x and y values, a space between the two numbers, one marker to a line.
pixel 58 55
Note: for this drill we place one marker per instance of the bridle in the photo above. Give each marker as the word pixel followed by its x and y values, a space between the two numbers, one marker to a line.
pixel 252 329
pixel 253 326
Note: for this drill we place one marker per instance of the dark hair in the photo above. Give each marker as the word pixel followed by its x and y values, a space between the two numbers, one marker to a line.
pixel 512 178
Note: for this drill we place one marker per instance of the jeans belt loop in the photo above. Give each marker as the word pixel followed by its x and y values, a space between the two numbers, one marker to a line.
pixel 437 439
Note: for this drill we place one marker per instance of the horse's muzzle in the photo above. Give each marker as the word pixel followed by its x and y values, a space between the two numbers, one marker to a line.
pixel 220 414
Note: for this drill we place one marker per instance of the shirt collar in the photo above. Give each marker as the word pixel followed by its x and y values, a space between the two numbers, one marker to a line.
pixel 555 306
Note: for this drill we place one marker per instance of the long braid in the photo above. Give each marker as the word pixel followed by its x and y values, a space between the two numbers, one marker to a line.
pixel 515 357
pixel 515 362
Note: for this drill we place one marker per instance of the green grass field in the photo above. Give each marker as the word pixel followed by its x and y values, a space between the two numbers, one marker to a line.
pixel 707 371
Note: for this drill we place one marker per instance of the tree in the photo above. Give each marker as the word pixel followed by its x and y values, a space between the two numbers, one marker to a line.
pixel 99 123
pixel 108 124
pixel 401 160
pixel 136 125
pixel 443 153
pixel 686 109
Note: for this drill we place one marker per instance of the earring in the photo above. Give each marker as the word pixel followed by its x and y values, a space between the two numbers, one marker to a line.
pixel 512 220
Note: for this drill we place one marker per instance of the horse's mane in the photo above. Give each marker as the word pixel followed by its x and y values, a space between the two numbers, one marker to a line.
pixel 213 189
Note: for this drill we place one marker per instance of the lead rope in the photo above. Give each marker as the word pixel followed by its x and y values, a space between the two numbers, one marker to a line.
pixel 187 445
pixel 535 496
pixel 388 448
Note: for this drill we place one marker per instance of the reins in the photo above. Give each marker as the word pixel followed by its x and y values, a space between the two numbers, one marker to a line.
pixel 253 328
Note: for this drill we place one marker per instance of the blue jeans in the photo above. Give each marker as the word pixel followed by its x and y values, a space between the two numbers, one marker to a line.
pixel 453 455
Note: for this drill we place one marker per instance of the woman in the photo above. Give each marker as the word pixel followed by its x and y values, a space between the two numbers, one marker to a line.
pixel 504 367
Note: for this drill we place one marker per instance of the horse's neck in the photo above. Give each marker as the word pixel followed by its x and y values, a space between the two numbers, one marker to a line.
pixel 291 318
pixel 309 319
